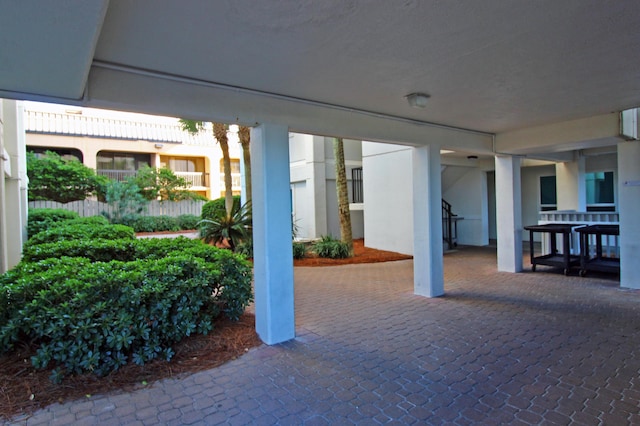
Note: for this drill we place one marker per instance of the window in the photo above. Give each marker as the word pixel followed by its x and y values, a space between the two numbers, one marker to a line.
pixel 548 194
pixel 182 165
pixel 600 191
pixel 121 161
pixel 66 154
pixel 356 185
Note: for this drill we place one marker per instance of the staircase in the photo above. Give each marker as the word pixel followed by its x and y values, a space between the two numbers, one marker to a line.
pixel 449 226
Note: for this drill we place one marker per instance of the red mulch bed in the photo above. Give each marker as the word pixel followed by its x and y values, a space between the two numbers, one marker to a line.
pixel 362 254
pixel 24 389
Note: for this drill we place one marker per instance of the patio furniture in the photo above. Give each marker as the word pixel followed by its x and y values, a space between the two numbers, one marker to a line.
pixel 563 260
pixel 598 262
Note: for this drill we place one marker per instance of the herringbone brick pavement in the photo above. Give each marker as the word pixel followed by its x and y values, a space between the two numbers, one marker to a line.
pixel 498 348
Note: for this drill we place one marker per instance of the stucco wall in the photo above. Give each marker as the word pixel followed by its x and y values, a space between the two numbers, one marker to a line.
pixel 469 200
pixel 388 212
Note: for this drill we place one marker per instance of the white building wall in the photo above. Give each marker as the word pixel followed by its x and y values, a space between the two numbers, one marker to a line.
pixel 388 200
pixel 313 186
pixel 469 200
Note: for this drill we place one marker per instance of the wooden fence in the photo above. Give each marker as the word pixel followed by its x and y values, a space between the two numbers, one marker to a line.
pixel 154 208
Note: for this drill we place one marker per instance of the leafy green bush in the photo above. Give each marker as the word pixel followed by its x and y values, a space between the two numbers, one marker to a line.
pixel 82 231
pixel 214 208
pixel 41 219
pixel 88 316
pixel 52 177
pixel 299 250
pixel 245 248
pixel 87 220
pixel 188 221
pixel 97 250
pixel 153 223
pixel 125 201
pixel 331 248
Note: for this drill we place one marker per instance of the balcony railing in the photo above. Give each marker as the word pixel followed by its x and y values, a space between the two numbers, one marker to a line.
pixel 236 181
pixel 118 175
pixel 194 179
pixel 199 179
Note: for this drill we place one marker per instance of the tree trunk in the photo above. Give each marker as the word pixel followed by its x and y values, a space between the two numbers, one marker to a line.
pixel 220 133
pixel 343 196
pixel 244 133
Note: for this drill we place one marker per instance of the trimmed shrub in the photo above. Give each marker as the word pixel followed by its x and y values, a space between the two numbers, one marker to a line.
pixel 153 223
pixel 214 208
pixel 42 219
pixel 331 248
pixel 65 232
pixel 299 250
pixel 87 316
pixel 188 221
pixel 87 220
pixel 98 250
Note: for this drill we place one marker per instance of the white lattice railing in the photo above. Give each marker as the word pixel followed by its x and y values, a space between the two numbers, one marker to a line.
pixel 154 208
pixel 610 243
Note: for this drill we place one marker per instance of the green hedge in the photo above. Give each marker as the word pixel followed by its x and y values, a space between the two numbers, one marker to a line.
pixel 161 223
pixel 41 219
pixel 90 316
pixel 106 250
pixel 64 232
pixel 188 221
pixel 212 209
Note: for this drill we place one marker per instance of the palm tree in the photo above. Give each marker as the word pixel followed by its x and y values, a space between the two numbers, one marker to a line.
pixel 220 133
pixel 343 197
pixel 244 133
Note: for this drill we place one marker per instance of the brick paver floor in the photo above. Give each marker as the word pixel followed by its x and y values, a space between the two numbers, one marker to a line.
pixel 498 348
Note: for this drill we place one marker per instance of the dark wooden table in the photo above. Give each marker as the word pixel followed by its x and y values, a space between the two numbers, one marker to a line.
pixel 564 260
pixel 597 262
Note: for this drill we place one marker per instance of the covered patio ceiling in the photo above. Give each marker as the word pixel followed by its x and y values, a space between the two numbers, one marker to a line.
pixel 332 67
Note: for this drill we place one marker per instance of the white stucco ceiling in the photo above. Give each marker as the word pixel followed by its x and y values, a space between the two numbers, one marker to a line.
pixel 489 66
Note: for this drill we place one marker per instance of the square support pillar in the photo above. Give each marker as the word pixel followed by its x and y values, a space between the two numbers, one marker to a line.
pixel 13 209
pixel 272 247
pixel 509 213
pixel 571 185
pixel 629 208
pixel 428 269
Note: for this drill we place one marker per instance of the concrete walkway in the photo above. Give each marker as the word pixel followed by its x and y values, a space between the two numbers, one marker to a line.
pixel 498 348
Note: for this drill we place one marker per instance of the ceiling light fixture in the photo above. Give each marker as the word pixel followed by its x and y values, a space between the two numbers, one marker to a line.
pixel 417 100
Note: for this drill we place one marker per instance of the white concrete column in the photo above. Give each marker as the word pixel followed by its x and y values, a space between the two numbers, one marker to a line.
pixel 428 270
pixel 571 185
pixel 318 186
pixel 629 208
pixel 15 202
pixel 272 248
pixel 509 213
pixel 5 174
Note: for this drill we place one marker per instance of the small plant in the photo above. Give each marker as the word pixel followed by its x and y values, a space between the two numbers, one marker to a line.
pixel 331 248
pixel 245 248
pixel 299 250
pixel 231 230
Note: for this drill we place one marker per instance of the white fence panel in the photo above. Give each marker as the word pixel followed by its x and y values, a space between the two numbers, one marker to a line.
pixel 154 208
